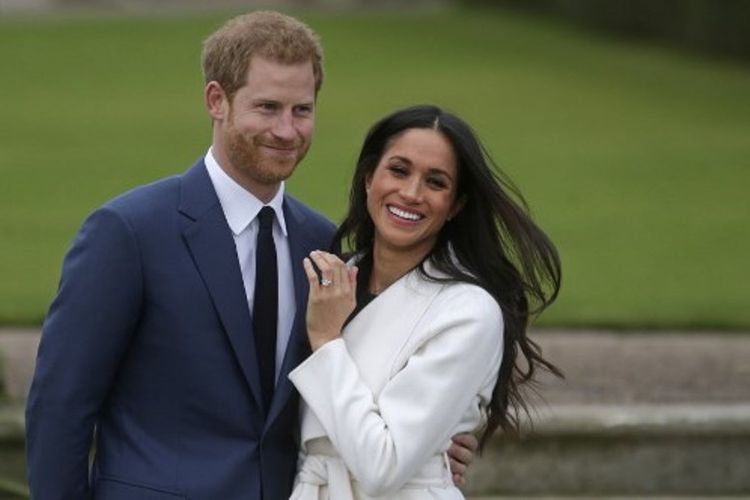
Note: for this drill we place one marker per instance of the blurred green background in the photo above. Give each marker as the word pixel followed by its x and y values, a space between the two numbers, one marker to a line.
pixel 633 156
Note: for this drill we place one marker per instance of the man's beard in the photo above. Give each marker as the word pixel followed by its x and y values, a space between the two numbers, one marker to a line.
pixel 248 155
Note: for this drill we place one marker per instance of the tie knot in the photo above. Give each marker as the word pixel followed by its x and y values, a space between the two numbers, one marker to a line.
pixel 265 217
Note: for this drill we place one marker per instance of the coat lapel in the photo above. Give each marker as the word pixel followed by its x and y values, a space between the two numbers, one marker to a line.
pixel 211 245
pixel 300 245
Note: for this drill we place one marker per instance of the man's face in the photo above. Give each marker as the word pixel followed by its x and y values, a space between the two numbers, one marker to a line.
pixel 269 125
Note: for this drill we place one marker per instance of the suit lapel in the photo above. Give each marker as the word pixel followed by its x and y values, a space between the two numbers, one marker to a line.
pixel 211 245
pixel 298 348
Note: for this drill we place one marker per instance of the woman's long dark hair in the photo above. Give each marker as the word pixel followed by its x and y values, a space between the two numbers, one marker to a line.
pixel 492 242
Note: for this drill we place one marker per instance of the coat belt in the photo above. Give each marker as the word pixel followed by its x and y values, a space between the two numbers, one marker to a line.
pixel 322 467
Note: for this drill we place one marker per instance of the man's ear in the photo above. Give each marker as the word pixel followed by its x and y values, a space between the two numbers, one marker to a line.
pixel 217 103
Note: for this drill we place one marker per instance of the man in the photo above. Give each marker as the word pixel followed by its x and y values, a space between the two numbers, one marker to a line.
pixel 181 305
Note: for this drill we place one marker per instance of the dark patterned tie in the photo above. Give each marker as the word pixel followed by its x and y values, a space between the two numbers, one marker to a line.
pixel 266 304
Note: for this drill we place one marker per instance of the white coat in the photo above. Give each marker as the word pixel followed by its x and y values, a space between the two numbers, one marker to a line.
pixel 416 366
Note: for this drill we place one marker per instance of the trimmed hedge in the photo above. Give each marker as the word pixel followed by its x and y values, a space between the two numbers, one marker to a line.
pixel 719 26
pixel 3 392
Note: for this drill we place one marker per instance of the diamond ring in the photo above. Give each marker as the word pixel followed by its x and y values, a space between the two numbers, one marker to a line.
pixel 326 282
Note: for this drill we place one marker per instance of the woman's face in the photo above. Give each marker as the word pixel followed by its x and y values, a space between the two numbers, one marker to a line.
pixel 412 192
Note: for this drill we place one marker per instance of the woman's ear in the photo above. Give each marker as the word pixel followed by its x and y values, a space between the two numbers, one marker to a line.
pixel 368 181
pixel 458 205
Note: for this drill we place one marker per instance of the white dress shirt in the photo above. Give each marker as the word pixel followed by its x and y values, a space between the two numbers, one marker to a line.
pixel 241 209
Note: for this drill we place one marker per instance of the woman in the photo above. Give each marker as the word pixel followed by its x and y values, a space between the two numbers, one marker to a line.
pixel 448 270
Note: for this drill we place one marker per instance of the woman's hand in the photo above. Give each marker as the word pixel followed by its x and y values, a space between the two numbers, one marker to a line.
pixel 332 297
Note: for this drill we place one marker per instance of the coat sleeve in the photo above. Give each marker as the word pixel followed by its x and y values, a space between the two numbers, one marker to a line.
pixel 85 336
pixel 385 441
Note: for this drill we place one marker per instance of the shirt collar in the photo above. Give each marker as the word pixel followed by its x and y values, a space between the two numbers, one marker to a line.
pixel 240 206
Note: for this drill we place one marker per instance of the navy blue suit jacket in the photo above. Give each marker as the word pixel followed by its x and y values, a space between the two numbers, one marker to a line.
pixel 148 347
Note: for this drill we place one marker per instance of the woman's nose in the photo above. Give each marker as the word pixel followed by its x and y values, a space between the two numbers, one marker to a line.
pixel 411 190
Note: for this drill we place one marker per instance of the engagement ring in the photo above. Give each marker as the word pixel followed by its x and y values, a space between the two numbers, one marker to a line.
pixel 326 282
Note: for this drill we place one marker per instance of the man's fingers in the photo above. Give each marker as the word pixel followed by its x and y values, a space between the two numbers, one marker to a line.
pixel 467 440
pixel 460 453
pixel 459 480
pixel 458 468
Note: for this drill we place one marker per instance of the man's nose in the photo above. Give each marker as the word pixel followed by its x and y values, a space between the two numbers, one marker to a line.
pixel 283 126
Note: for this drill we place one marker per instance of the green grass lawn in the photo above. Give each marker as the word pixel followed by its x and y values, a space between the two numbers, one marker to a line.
pixel 634 158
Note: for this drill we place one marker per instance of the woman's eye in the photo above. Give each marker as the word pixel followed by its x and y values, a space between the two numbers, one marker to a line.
pixel 397 170
pixel 437 183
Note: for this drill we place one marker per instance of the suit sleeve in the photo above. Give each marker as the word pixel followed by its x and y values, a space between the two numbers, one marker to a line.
pixel 84 338
pixel 384 442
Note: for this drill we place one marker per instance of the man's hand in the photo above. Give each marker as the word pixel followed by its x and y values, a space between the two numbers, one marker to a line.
pixel 461 454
